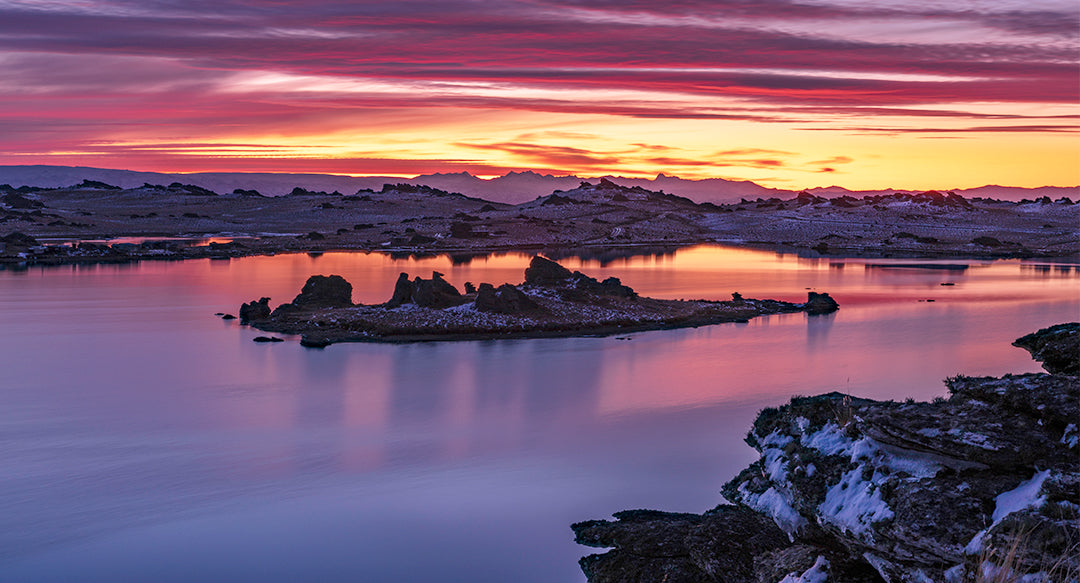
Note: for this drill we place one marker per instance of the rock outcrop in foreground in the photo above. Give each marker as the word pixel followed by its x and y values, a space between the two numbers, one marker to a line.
pixel 553 301
pixel 982 486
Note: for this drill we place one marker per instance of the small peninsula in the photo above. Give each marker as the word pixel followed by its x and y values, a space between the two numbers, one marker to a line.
pixel 552 301
pixel 981 486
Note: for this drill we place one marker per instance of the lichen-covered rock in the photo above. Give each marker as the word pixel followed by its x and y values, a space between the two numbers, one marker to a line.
pixel 951 490
pixel 1056 347
pixel 325 291
pixel 255 310
pixel 820 303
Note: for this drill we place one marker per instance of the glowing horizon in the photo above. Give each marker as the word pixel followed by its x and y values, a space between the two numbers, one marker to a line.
pixel 865 95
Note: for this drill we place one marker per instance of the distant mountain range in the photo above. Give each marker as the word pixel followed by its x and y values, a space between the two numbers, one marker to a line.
pixel 515 187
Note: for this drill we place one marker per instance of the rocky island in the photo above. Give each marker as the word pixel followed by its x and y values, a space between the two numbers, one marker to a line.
pixel 552 301
pixel 982 486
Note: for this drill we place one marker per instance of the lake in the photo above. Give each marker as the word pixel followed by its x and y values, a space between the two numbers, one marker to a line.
pixel 144 439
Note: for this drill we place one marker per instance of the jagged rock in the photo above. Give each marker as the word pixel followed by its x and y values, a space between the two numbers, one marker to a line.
pixel 435 292
pixel 322 291
pixel 403 291
pixel 902 492
pixel 507 299
pixel 545 272
pixel 820 303
pixel 1056 347
pixel 255 310
pixel 96 184
pixel 429 293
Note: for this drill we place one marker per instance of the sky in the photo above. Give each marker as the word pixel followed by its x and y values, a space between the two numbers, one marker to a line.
pixel 790 94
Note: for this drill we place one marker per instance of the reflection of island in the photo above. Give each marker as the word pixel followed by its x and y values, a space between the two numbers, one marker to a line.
pixel 553 301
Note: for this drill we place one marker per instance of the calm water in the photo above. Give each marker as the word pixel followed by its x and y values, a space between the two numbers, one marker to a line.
pixel 143 439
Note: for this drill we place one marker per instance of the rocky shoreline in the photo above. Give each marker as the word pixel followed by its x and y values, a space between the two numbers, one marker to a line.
pixel 981 486
pixel 80 224
pixel 552 301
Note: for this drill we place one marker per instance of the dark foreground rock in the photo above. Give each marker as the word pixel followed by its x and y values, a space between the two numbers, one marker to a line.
pixel 553 301
pixel 982 486
pixel 1057 347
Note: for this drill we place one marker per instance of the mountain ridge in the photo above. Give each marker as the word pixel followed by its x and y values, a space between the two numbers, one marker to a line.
pixel 513 187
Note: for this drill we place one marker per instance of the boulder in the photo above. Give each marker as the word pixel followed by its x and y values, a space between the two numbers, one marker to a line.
pixel 507 299
pixel 255 310
pixel 1056 347
pixel 545 272
pixel 325 291
pixel 820 303
pixel 435 292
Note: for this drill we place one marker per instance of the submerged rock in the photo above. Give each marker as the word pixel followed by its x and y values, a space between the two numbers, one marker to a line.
pixel 1056 347
pixel 820 303
pixel 951 490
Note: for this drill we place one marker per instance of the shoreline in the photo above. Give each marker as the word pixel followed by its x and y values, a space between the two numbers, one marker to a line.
pixel 125 256
pixel 405 219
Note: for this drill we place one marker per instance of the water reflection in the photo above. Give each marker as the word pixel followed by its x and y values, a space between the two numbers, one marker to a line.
pixel 139 430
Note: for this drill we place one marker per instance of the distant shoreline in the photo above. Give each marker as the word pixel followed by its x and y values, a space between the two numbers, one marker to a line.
pixel 404 219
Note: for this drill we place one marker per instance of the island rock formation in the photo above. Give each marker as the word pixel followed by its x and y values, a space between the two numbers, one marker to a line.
pixel 553 301
pixel 981 486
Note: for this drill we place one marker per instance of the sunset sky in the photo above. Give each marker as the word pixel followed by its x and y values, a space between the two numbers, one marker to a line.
pixel 857 93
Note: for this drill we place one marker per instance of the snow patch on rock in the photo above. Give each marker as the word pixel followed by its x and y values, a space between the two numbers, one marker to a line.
pixel 818 573
pixel 772 503
pixel 854 504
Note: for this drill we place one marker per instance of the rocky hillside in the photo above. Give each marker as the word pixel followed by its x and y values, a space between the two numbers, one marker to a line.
pixel 981 486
